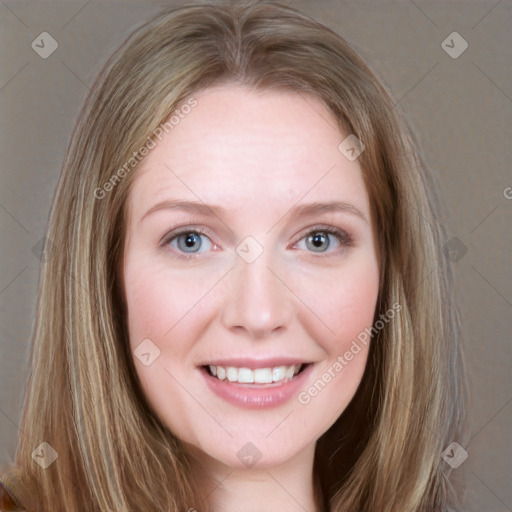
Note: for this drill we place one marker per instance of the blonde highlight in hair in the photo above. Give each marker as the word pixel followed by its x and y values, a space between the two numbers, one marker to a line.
pixel 82 395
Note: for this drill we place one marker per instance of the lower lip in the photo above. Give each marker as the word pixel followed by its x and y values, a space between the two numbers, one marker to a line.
pixel 253 397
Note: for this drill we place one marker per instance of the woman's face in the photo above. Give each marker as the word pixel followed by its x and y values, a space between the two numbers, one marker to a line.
pixel 230 269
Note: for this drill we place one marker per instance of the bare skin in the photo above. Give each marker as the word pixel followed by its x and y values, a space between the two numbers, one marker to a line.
pixel 258 155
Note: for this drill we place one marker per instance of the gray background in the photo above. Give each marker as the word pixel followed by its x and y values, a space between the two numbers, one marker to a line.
pixel 461 112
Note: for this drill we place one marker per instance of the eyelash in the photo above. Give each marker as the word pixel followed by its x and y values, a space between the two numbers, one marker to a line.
pixel 343 237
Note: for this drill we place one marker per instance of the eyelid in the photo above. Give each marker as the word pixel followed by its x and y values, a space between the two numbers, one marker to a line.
pixel 182 230
pixel 175 233
pixel 344 238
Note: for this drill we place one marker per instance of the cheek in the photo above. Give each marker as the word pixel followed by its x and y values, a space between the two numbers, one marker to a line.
pixel 348 312
pixel 345 298
pixel 355 308
pixel 343 301
pixel 171 310
pixel 159 302
pixel 163 321
pixel 157 310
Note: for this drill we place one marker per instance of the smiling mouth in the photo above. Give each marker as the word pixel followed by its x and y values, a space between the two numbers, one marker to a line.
pixel 269 376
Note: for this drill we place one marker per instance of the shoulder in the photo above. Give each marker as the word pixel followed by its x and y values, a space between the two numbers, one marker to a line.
pixel 8 501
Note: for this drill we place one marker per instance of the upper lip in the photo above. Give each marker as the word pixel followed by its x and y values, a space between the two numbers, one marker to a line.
pixel 245 362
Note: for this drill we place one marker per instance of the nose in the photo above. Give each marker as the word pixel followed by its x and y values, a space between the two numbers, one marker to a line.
pixel 257 302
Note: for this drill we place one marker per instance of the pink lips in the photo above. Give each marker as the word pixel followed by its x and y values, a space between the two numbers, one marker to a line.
pixel 257 396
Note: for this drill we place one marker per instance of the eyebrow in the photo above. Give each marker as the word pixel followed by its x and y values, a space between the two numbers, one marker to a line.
pixel 301 210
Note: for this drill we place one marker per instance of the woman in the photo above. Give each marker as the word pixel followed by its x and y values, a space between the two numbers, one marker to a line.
pixel 259 371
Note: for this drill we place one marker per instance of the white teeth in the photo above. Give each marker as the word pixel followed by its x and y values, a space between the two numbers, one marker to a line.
pixel 232 373
pixel 278 373
pixel 263 375
pixel 257 376
pixel 245 375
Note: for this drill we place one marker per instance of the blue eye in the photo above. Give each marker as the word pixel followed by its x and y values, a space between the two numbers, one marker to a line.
pixel 319 240
pixel 189 242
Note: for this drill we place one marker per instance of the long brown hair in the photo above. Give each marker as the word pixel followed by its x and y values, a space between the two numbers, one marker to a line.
pixel 82 396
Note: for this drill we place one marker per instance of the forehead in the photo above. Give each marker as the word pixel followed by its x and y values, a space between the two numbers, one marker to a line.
pixel 243 147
